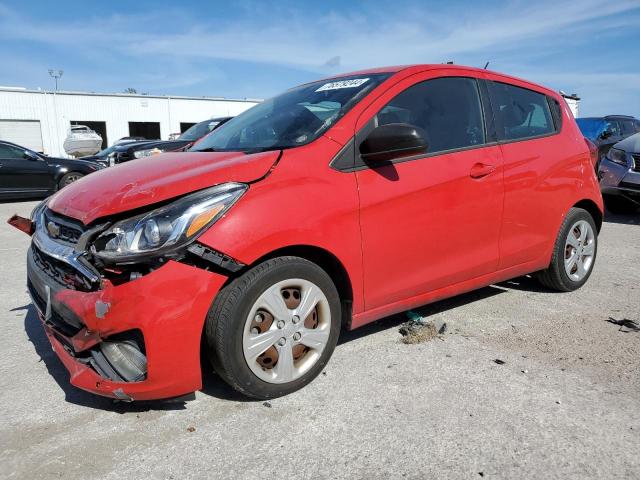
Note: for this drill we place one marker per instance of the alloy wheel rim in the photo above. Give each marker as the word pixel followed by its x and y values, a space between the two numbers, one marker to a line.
pixel 72 178
pixel 579 251
pixel 286 331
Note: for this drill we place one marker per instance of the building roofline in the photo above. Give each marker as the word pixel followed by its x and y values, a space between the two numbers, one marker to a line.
pixel 125 95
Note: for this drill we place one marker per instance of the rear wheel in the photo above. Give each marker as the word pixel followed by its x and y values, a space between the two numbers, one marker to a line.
pixel 272 330
pixel 69 178
pixel 618 204
pixel 574 253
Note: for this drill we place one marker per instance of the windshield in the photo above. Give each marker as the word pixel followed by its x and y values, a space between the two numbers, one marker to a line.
pixel 199 130
pixel 294 118
pixel 106 151
pixel 591 127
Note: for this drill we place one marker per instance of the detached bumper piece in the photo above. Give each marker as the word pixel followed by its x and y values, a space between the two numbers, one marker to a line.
pixel 23 224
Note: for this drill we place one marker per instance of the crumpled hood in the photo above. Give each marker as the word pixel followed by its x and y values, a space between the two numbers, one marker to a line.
pixel 150 180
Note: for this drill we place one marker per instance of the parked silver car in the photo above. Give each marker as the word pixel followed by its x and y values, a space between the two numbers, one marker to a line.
pixel 619 175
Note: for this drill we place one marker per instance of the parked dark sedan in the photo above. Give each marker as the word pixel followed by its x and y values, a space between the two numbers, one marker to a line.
pixel 103 155
pixel 27 174
pixel 606 131
pixel 131 151
pixel 619 175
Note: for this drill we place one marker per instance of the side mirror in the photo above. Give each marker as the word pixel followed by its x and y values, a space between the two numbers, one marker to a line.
pixel 393 140
pixel 29 155
pixel 606 134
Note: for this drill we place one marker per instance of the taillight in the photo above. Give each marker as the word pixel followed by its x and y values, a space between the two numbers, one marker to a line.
pixel 593 151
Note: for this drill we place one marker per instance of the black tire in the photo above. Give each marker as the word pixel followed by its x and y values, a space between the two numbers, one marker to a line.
pixel 619 205
pixel 226 321
pixel 555 277
pixel 69 178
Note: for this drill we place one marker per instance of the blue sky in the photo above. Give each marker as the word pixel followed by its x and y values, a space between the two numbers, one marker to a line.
pixel 257 49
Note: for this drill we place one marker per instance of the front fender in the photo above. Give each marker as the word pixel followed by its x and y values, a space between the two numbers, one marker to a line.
pixel 302 202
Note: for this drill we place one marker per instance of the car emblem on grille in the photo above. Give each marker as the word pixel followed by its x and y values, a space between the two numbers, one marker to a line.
pixel 53 229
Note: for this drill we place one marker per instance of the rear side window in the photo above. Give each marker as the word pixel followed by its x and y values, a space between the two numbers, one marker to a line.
pixel 520 113
pixel 447 109
pixel 628 128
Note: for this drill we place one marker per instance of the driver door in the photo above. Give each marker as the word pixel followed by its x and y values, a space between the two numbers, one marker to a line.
pixel 432 220
pixel 22 173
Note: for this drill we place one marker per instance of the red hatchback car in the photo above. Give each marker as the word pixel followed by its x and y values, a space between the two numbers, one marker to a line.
pixel 332 205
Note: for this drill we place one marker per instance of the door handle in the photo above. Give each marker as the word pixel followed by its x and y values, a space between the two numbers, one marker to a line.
pixel 480 170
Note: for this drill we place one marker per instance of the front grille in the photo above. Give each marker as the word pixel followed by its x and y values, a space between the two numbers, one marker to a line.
pixel 636 162
pixel 62 228
pixel 60 272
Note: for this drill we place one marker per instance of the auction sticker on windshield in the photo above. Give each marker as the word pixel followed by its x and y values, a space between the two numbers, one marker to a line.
pixel 356 82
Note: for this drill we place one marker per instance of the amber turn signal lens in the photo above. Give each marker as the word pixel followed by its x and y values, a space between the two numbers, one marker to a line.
pixel 202 219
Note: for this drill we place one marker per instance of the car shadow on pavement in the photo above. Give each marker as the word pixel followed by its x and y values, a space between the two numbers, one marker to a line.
pixel 213 385
pixel 426 310
pixel 623 219
pixel 526 284
pixel 35 332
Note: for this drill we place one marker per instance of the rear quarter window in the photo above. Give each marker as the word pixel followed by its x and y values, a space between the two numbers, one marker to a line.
pixel 521 113
pixel 556 112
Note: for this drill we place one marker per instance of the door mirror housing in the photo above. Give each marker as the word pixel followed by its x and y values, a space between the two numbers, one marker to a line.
pixel 606 134
pixel 29 155
pixel 393 140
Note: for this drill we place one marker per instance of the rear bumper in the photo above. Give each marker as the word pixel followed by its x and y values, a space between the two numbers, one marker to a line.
pixel 168 306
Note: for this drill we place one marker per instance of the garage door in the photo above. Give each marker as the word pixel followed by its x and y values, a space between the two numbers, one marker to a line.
pixel 23 132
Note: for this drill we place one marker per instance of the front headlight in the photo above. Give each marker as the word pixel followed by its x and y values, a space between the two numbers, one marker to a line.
pixel 147 153
pixel 166 229
pixel 617 156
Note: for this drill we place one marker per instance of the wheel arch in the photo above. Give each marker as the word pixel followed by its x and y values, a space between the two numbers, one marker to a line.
pixel 321 257
pixel 325 260
pixel 593 209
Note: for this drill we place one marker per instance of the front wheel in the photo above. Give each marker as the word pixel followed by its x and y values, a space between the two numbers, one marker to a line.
pixel 272 330
pixel 69 178
pixel 574 253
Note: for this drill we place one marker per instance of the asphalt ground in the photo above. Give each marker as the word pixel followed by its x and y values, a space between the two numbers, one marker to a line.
pixel 564 404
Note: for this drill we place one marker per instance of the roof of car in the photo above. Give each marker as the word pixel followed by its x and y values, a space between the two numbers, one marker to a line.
pixel 439 66
pixel 6 142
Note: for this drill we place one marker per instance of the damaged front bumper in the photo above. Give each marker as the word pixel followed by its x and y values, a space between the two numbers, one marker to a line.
pixel 152 325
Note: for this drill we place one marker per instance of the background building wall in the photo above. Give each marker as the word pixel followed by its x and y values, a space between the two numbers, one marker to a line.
pixel 55 111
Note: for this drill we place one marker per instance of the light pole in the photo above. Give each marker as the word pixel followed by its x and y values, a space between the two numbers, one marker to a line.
pixel 56 74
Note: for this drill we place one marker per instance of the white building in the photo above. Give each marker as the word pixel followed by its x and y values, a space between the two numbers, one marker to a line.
pixel 573 101
pixel 40 120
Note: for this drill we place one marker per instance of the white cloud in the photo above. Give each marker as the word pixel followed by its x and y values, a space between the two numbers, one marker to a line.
pixel 520 33
pixel 295 39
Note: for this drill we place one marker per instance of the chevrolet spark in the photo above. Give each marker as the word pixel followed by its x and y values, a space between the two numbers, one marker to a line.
pixel 327 207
